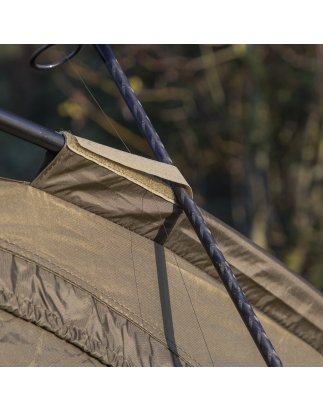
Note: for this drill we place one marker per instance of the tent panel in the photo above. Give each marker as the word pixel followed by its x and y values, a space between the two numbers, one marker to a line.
pixel 39 296
pixel 23 344
pixel 132 276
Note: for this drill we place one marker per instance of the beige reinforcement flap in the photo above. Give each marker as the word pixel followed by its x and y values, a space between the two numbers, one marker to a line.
pixel 130 166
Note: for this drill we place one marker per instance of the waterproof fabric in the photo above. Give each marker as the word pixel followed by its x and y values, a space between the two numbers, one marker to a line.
pixel 36 294
pixel 84 230
pixel 128 274
pixel 24 344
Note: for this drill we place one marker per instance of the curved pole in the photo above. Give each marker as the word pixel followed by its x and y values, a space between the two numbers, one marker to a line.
pixel 193 214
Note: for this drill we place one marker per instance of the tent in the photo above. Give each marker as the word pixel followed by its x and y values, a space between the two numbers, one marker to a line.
pixel 89 278
pixel 100 264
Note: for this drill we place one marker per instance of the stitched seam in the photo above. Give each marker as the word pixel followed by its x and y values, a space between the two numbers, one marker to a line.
pixel 146 184
pixel 5 292
pixel 136 321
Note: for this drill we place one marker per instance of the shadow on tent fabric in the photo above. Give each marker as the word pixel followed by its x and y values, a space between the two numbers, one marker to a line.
pixel 165 302
pixel 164 287
pixel 168 224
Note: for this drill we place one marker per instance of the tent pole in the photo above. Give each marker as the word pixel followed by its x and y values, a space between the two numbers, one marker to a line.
pixel 192 212
pixel 32 132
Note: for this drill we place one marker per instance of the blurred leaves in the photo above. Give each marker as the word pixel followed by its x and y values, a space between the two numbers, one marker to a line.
pixel 242 122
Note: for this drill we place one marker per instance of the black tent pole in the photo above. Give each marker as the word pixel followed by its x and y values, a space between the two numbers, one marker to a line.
pixel 222 267
pixel 29 131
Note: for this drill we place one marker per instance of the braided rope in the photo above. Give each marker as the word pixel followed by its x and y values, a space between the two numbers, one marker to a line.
pixel 192 212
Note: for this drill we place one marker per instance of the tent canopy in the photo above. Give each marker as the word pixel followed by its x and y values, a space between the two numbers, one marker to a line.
pixel 100 266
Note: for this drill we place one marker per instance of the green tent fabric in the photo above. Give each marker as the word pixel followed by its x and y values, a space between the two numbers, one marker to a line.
pixel 100 266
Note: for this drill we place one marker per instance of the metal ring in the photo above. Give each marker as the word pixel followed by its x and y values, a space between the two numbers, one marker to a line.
pixel 33 64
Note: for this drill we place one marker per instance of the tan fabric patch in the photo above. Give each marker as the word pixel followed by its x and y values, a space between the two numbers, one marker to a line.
pixel 130 166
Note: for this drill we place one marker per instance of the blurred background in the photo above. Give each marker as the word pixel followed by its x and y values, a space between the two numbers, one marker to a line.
pixel 243 123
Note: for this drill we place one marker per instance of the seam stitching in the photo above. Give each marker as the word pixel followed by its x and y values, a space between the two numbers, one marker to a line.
pixel 65 324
